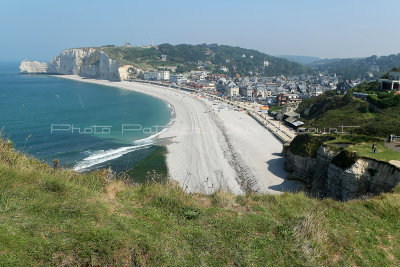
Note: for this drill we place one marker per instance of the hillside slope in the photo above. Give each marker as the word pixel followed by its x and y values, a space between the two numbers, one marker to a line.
pixel 351 68
pixel 358 116
pixel 59 217
pixel 300 59
pixel 212 57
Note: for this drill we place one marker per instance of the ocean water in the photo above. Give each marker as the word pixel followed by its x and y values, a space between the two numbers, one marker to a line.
pixel 85 126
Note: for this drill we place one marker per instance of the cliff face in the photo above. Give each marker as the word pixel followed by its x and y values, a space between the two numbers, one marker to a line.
pixel 324 179
pixel 85 62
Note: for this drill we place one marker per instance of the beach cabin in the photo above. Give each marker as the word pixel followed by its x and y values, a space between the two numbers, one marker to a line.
pixel 292 119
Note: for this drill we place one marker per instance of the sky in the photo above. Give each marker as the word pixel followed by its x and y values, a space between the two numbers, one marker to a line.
pixel 40 29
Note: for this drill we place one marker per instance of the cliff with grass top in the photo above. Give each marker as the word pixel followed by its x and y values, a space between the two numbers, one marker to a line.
pixel 112 62
pixel 60 217
pixel 331 168
pixel 339 163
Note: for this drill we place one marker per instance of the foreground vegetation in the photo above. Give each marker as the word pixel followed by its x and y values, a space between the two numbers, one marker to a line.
pixel 59 217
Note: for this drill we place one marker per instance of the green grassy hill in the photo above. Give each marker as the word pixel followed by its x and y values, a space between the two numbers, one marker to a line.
pixel 368 122
pixel 305 60
pixel 362 117
pixel 60 217
pixel 187 57
pixel 351 68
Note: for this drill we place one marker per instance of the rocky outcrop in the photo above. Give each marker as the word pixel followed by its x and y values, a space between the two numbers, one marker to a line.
pixel 85 62
pixel 324 178
pixel 34 67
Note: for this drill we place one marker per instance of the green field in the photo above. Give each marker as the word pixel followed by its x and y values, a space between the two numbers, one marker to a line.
pixel 382 152
pixel 59 217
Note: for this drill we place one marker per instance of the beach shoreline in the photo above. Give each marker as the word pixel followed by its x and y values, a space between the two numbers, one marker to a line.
pixel 212 148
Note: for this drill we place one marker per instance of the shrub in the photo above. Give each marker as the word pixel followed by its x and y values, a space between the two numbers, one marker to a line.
pixel 345 159
pixel 364 107
pixel 307 145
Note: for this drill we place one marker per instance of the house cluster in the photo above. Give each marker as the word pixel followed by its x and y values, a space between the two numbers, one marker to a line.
pixel 279 90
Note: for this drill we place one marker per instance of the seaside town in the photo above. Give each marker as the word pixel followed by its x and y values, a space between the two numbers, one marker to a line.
pixel 274 97
pixel 212 133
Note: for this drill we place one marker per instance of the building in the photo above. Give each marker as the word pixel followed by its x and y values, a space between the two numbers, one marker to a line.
pixel 283 99
pixel 342 88
pixel 178 78
pixel 234 91
pixel 164 75
pixel 263 92
pixel 156 75
pixel 294 98
pixel 170 68
pixel 224 69
pixel 292 119
pixel 391 83
pixel 246 90
pixel 231 89
pixel 127 44
pixel 208 86
pixel 198 75
pixel 151 75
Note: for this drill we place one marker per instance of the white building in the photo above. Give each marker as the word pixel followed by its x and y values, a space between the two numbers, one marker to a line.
pixel 198 75
pixel 156 75
pixel 164 75
pixel 178 78
pixel 224 69
pixel 151 75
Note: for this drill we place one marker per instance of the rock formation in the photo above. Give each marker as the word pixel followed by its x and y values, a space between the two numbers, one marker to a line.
pixel 325 177
pixel 85 62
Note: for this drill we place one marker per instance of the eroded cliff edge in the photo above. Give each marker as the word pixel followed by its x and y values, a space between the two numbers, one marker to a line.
pixel 85 62
pixel 337 173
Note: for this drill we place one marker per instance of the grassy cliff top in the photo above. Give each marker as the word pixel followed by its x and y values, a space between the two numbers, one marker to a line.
pixel 60 217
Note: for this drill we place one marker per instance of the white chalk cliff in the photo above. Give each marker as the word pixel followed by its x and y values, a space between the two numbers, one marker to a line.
pixel 85 62
pixel 325 179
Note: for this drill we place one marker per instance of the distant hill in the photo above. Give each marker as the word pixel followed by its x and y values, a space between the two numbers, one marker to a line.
pixel 351 68
pixel 213 57
pixel 300 59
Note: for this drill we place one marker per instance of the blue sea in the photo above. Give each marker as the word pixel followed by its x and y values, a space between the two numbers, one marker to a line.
pixel 85 126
